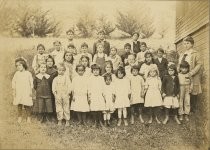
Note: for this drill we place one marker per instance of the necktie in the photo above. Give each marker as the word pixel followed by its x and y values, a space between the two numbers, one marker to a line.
pixel 183 58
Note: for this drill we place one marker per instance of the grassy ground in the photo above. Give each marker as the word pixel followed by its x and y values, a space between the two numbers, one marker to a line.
pixel 50 136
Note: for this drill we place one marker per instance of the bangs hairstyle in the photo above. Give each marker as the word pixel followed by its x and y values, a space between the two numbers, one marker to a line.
pixel 184 64
pixel 69 31
pixel 113 47
pixel 61 65
pixel 189 39
pixel 127 45
pixel 88 59
pixel 108 76
pixel 120 69
pixel 21 61
pixel 135 67
pixel 72 58
pixel 56 42
pixel 95 66
pixel 173 66
pixel 78 66
pixel 40 45
pixel 153 68
pixel 84 45
pixel 50 57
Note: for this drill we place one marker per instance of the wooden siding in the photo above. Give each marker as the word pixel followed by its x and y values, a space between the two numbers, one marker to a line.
pixel 191 15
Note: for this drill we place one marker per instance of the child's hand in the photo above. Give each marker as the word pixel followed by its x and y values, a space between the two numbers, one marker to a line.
pixel 113 98
pixel 89 101
pixel 142 94
pixel 129 96
pixel 73 99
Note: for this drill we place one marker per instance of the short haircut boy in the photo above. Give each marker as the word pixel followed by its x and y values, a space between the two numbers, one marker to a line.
pixel 189 39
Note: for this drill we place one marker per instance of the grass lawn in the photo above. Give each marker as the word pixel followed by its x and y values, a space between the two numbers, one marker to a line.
pixel 50 136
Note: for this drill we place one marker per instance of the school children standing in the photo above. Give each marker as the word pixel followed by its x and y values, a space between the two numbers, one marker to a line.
pixel 43 104
pixel 79 103
pixel 137 93
pixel 109 70
pixel 53 73
pixel 58 52
pixel 61 88
pixel 170 93
pixel 100 57
pixel 140 55
pixel 153 99
pixel 39 58
pixel 124 57
pixel 194 59
pixel 96 94
pixel 162 63
pixel 186 87
pixel 84 52
pixel 123 95
pixel 103 41
pixel 131 62
pixel 85 61
pixel 22 85
pixel 109 95
pixel 68 61
pixel 115 58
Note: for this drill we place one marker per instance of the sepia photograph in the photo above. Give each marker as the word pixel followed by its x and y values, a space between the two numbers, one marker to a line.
pixel 104 75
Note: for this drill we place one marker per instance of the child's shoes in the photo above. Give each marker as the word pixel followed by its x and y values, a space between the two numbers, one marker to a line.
pixel 108 123
pixel 125 122
pixel 67 123
pixel 186 118
pixel 177 120
pixel 19 119
pixel 150 120
pixel 119 122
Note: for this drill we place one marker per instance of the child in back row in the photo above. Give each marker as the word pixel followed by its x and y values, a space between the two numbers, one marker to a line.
pixel 22 85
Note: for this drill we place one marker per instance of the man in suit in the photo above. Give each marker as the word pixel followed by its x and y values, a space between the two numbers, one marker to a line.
pixel 162 63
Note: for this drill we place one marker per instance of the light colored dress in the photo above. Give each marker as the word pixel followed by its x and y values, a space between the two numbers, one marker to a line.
pixel 145 69
pixel 122 90
pixel 153 96
pixel 58 56
pixel 137 84
pixel 80 93
pixel 108 93
pixel 96 90
pixel 22 84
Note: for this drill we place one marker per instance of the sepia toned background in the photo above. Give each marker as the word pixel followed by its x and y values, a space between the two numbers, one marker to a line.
pixel 160 24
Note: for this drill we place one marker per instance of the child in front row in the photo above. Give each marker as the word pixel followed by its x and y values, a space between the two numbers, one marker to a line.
pixel 153 98
pixel 170 93
pixel 43 103
pixel 61 88
pixel 109 94
pixel 22 85
pixel 79 103
pixel 137 93
pixel 123 95
pixel 186 87
pixel 96 96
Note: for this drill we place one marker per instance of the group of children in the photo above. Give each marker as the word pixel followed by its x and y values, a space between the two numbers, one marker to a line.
pixel 101 83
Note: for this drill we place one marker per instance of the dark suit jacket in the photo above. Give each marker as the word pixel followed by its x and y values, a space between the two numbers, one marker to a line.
pixel 106 47
pixel 136 47
pixel 162 66
pixel 170 86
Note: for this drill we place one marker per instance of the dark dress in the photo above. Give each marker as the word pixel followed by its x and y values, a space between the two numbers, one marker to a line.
pixel 53 73
pixel 125 56
pixel 136 47
pixel 106 47
pixel 43 103
pixel 162 67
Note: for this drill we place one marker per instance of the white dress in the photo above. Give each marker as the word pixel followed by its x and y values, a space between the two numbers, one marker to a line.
pixel 80 91
pixel 122 90
pixel 137 84
pixel 95 90
pixel 22 84
pixel 145 69
pixel 108 92
pixel 153 96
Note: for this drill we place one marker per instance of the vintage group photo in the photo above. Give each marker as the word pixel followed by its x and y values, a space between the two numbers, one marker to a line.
pixel 104 75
